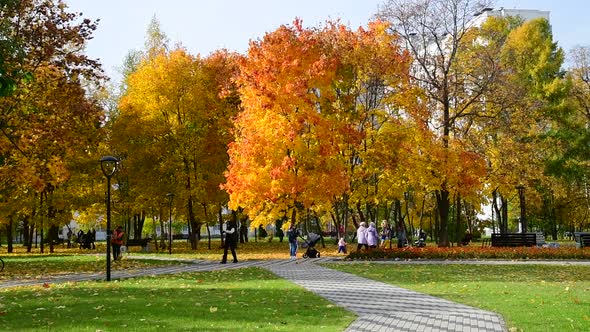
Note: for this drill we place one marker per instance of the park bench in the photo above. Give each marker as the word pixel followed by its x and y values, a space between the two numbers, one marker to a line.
pixel 143 243
pixel 582 239
pixel 514 239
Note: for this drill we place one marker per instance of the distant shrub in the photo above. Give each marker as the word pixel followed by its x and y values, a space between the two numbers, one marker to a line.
pixel 432 252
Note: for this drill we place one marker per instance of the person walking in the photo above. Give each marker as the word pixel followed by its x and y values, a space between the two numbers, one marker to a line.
pixel 292 235
pixel 92 237
pixel 361 236
pixel 80 238
pixel 372 236
pixel 230 241
pixel 385 232
pixel 342 246
pixel 117 242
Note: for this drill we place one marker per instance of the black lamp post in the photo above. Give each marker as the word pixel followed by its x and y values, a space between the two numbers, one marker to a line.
pixel 108 165
pixel 170 196
pixel 521 197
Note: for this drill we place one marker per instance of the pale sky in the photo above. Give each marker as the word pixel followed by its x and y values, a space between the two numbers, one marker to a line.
pixel 203 26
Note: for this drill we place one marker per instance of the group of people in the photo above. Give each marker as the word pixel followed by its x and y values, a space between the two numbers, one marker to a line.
pixel 85 240
pixel 367 237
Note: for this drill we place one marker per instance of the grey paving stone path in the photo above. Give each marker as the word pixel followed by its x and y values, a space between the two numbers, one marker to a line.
pixel 383 307
pixel 379 306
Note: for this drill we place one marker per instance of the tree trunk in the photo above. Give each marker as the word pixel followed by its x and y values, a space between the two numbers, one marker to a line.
pixel 155 234
pixel 422 215
pixel 162 230
pixel 442 200
pixel 359 210
pixel 26 232
pixel 243 232
pixel 220 218
pixel 504 214
pixel 31 234
pixel 41 213
pixel 9 235
pixel 410 234
pixel 523 216
pixel 436 225
pixel 319 228
pixel 195 226
pixel 207 225
pixel 496 210
pixel 458 220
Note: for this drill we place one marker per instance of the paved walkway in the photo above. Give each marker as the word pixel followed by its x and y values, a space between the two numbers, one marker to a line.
pixel 379 306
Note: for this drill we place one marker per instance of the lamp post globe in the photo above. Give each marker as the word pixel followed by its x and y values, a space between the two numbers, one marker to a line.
pixel 170 196
pixel 108 164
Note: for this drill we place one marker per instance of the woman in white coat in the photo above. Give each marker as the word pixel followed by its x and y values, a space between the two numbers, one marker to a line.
pixel 361 236
pixel 372 236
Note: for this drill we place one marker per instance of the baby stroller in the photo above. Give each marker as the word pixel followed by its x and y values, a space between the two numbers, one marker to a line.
pixel 310 243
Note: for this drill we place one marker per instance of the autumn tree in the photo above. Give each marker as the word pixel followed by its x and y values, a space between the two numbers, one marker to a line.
pixel 173 129
pixel 518 108
pixel 313 102
pixel 49 120
pixel 569 139
pixel 433 32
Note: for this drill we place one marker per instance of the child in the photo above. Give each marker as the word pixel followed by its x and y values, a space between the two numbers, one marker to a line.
pixel 342 246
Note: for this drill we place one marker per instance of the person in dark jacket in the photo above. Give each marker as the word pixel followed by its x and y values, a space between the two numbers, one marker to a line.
pixel 292 235
pixel 230 241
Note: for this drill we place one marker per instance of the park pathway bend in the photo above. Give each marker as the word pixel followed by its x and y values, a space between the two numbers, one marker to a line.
pixel 383 307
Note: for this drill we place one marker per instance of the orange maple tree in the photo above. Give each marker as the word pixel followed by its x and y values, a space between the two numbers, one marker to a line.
pixel 304 121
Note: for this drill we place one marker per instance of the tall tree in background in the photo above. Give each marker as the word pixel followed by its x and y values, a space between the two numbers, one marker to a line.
pixel 571 142
pixel 433 31
pixel 528 90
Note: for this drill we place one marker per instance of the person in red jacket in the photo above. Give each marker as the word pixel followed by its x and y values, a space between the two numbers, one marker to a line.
pixel 117 242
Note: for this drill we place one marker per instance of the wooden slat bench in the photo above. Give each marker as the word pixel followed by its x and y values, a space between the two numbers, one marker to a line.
pixel 514 239
pixel 582 239
pixel 143 243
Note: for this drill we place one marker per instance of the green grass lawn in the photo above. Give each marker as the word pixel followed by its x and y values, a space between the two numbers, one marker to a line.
pixel 32 266
pixel 529 297
pixel 230 300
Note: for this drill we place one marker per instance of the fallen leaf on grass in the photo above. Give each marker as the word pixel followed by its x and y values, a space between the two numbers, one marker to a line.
pixel 212 309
